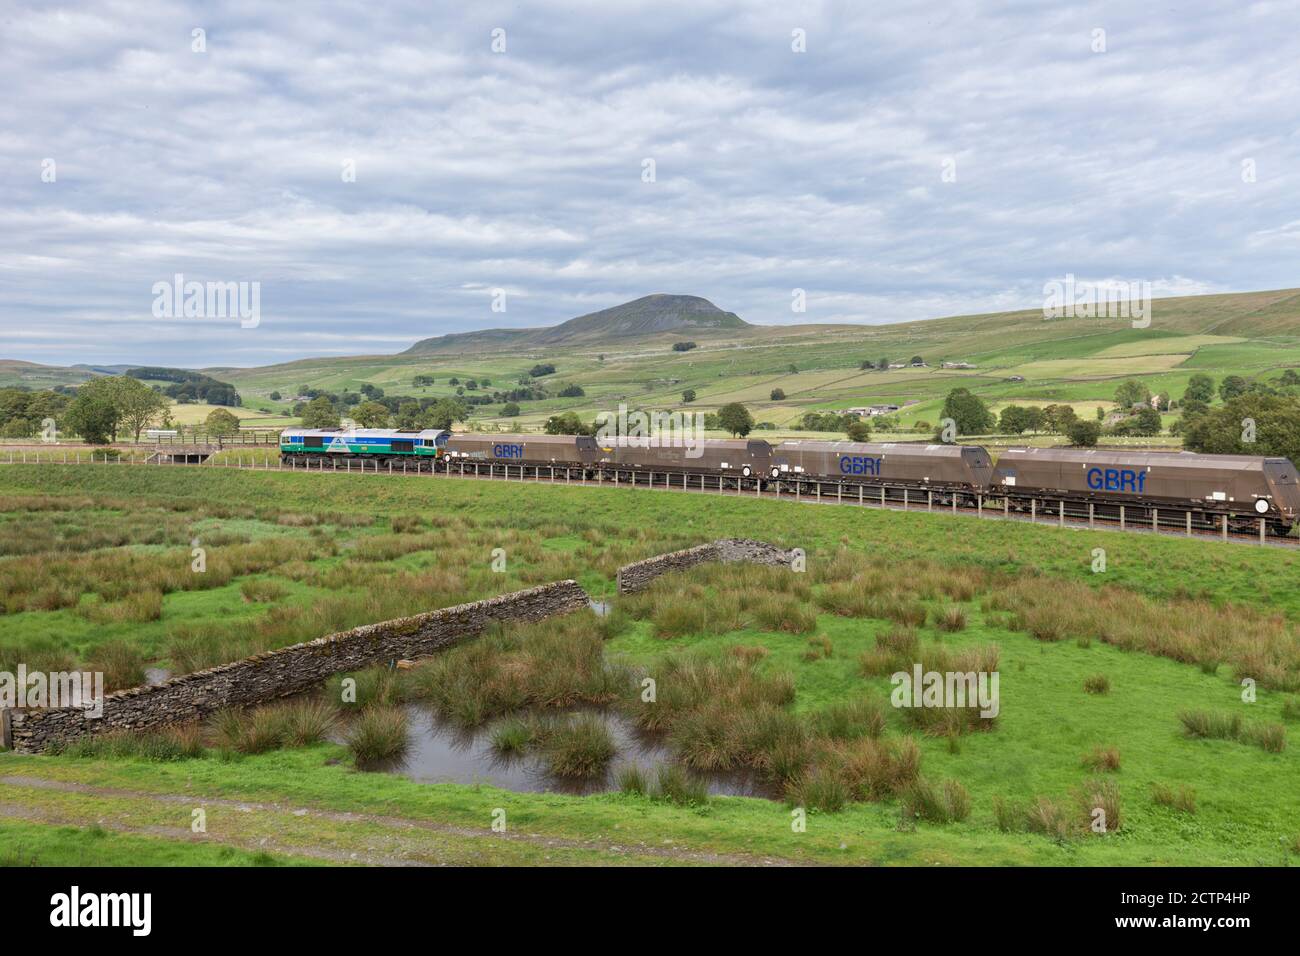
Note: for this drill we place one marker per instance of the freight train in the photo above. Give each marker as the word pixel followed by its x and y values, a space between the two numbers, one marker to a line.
pixel 1205 489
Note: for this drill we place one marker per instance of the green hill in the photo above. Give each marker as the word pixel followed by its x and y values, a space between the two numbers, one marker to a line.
pixel 649 315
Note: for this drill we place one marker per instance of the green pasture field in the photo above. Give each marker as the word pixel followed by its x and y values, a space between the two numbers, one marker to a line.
pixel 294 543
pixel 1075 361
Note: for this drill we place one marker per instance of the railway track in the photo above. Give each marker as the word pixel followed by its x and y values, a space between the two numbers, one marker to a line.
pixel 1167 522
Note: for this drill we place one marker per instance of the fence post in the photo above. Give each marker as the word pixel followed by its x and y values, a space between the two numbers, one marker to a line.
pixel 1225 527
pixel 929 501
pixel 904 499
pixel 1261 530
pixel 1062 521
pixel 1121 517
pixel 1033 510
pixel 1189 523
pixel 1155 519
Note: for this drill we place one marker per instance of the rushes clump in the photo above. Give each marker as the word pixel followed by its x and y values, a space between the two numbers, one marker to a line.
pixel 946 804
pixel 1218 725
pixel 783 612
pixel 1270 737
pixel 1291 708
pixel 1177 798
pixel 512 736
pixel 580 748
pixel 378 734
pixel 1048 817
pixel 558 663
pixel 1102 759
pixel 633 780
pixel 308 722
pixel 296 723
pixel 951 618
pixel 822 788
pixel 121 664
pixel 675 785
pixel 1101 795
pixel 1214 725
pixel 172 744
pixel 262 591
pixel 1096 684
pixel 864 717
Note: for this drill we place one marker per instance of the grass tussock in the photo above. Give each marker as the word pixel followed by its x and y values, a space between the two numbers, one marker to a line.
pixel 167 745
pixel 378 734
pixel 865 769
pixel 1255 643
pixel 262 591
pixel 295 723
pixel 1220 725
pixel 1182 797
pixel 951 618
pixel 1100 802
pixel 1096 684
pixel 946 803
pixel 559 663
pixel 121 663
pixel 580 747
pixel 1291 708
pixel 1102 759
pixel 851 720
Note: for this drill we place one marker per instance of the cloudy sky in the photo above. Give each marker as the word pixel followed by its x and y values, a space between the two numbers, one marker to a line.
pixel 379 168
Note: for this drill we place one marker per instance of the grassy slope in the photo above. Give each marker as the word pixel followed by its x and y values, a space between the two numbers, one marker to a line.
pixel 1070 360
pixel 1077 361
pixel 1248 800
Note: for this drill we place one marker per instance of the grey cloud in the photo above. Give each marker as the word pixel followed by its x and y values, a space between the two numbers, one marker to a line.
pixel 476 171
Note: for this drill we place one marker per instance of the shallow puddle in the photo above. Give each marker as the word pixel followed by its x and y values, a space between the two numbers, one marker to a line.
pixel 443 753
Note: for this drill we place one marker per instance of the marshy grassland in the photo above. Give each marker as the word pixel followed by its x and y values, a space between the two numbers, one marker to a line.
pixel 1119 690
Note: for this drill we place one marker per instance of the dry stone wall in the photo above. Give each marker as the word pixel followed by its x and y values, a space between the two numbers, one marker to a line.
pixel 291 670
pixel 637 576
pixel 287 671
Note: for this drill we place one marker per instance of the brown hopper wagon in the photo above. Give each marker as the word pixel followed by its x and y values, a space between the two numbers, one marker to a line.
pixel 736 458
pixel 965 468
pixel 1207 485
pixel 532 451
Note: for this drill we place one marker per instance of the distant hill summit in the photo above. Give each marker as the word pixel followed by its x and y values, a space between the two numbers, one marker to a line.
pixel 647 316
